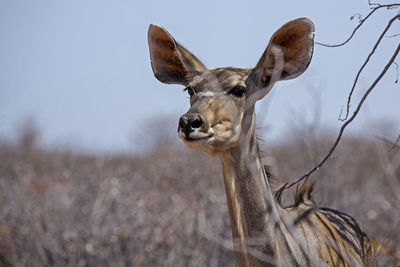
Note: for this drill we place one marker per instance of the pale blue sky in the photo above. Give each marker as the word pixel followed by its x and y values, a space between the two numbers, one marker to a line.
pixel 82 69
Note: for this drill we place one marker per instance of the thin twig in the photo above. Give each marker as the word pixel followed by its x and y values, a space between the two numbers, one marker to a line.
pixel 358 15
pixel 305 176
pixel 392 144
pixel 393 35
pixel 365 63
pixel 373 4
pixel 360 24
pixel 397 72
pixel 395 144
pixel 340 114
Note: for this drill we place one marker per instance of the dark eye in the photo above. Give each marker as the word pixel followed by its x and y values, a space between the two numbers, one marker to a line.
pixel 190 90
pixel 238 91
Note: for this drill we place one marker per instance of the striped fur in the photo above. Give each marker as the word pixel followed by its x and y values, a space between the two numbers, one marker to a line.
pixel 222 101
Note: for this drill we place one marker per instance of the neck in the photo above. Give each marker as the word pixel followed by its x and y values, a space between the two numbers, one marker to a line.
pixel 251 203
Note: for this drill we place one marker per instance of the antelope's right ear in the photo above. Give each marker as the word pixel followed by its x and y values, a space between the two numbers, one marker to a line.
pixel 171 62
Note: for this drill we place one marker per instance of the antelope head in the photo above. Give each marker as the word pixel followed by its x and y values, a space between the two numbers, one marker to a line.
pixel 222 100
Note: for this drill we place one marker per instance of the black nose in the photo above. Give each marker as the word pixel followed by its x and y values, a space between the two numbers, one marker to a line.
pixel 188 124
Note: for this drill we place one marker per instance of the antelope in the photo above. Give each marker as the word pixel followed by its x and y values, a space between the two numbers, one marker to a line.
pixel 221 122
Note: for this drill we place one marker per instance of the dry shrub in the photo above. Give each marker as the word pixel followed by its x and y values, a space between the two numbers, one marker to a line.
pixel 167 207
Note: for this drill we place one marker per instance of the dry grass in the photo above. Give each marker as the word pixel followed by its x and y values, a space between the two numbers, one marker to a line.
pixel 168 207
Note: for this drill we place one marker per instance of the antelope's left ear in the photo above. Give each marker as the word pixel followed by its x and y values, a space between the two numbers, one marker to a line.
pixel 288 55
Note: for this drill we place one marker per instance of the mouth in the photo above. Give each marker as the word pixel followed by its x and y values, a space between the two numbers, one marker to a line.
pixel 194 136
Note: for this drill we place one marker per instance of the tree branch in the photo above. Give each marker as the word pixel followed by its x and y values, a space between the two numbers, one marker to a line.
pixel 378 6
pixel 307 175
pixel 365 63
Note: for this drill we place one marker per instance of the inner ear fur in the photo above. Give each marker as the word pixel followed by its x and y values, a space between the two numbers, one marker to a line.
pixel 295 40
pixel 171 62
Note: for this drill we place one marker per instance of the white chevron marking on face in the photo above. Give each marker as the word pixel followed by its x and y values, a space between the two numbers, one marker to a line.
pixel 210 94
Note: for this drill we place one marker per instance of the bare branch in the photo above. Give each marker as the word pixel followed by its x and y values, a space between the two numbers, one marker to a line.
pixel 307 175
pixel 378 6
pixel 365 63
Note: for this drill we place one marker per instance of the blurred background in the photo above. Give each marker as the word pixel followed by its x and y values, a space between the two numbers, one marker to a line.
pixel 91 170
pixel 82 71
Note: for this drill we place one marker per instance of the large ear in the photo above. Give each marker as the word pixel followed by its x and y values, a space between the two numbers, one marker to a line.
pixel 287 56
pixel 171 62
